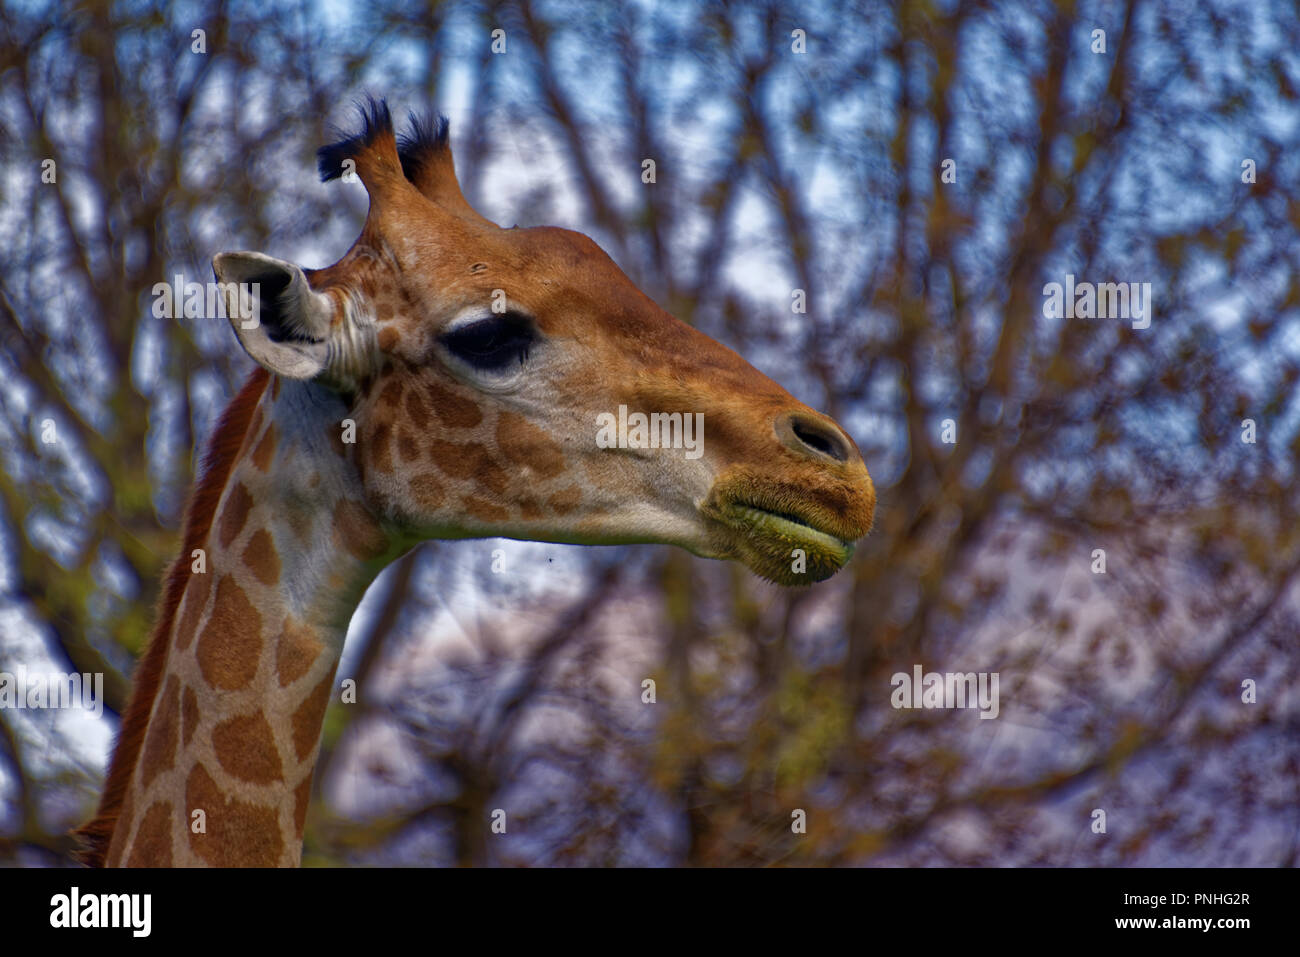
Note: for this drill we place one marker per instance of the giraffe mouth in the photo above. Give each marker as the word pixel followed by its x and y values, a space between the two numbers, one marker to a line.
pixel 782 546
pixel 783 523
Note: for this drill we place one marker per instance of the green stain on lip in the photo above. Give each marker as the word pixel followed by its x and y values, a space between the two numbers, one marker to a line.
pixel 797 534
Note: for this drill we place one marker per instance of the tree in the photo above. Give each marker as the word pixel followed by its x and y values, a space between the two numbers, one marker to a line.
pixel 872 204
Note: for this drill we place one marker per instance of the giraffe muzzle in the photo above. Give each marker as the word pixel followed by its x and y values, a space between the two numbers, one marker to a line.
pixel 785 534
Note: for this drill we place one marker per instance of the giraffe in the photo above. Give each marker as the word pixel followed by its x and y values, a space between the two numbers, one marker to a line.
pixel 442 380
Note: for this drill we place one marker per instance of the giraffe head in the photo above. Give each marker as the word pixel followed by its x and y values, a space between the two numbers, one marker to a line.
pixel 497 380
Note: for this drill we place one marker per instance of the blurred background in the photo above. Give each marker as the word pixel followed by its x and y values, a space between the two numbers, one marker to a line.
pixel 920 171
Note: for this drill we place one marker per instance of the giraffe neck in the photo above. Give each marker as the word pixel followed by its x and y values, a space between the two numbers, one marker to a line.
pixel 236 720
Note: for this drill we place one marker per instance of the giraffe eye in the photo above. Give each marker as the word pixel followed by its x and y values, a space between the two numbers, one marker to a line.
pixel 493 343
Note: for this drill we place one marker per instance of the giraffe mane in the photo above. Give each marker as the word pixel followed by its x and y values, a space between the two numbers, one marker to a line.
pixel 218 461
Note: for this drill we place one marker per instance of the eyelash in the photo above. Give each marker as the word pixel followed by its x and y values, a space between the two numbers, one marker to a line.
pixel 491 344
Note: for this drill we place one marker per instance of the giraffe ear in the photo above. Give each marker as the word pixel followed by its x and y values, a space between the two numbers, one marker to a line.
pixel 280 321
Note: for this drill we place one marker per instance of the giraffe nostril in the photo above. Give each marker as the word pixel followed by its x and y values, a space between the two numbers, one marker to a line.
pixel 803 433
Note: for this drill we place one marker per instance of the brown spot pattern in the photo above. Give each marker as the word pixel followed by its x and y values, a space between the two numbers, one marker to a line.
pixel 153 842
pixel 265 449
pixel 416 410
pixel 427 490
pixel 196 598
pixel 296 651
pixel 565 500
pixel 245 748
pixel 484 511
pixel 309 716
pixel 160 745
pixel 234 514
pixel 379 453
pixel 407 450
pixel 189 714
pixel 301 795
pixel 357 532
pixel 391 394
pixel 261 557
pixel 525 444
pixel 470 461
pixel 453 409
pixel 238 834
pixel 228 648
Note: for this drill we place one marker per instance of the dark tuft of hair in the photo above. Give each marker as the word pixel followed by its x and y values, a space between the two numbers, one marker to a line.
pixel 428 135
pixel 375 121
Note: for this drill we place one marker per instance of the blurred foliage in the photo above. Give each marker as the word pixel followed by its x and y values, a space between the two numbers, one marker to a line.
pixel 820 171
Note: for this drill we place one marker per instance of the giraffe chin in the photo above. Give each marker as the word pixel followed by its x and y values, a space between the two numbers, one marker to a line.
pixel 781 547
